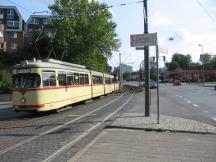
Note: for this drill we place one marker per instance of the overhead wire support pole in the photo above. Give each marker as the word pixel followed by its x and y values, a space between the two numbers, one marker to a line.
pixel 157 57
pixel 146 60
pixel 120 70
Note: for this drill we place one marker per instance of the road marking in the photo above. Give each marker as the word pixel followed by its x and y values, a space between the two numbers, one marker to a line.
pixel 206 111
pixel 188 101
pixel 51 157
pixel 74 115
pixel 195 105
pixel 214 118
pixel 80 115
pixel 55 128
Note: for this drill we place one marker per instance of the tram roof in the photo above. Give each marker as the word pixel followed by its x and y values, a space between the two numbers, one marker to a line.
pixel 50 63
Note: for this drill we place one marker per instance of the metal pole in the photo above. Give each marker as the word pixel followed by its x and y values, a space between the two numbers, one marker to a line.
pixel 203 66
pixel 120 70
pixel 146 59
pixel 157 57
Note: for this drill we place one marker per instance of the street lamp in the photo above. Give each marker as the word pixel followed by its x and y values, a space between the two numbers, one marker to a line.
pixel 203 68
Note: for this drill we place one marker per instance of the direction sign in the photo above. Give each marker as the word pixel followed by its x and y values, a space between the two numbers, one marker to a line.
pixel 138 40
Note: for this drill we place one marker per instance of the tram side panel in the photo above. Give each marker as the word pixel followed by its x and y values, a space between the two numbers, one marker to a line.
pixel 108 85
pixel 97 85
pixel 71 87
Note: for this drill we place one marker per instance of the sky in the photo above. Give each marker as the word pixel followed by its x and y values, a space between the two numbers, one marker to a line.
pixel 189 22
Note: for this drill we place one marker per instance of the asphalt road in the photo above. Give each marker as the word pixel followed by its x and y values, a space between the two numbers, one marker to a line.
pixel 188 101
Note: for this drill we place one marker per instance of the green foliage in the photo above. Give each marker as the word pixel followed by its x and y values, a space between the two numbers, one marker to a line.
pixel 86 31
pixel 179 61
pixel 5 80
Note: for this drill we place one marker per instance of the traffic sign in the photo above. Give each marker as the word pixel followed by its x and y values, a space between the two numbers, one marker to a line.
pixel 139 40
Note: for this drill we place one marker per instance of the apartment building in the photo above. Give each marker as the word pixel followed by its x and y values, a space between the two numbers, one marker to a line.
pixel 12 29
pixel 36 22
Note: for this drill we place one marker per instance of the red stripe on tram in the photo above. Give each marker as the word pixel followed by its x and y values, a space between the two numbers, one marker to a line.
pixel 29 106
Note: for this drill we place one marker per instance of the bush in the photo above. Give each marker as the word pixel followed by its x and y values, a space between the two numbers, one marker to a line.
pixel 5 80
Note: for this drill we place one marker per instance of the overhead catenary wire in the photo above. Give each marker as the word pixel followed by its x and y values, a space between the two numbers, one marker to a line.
pixel 206 11
pixel 124 4
pixel 20 6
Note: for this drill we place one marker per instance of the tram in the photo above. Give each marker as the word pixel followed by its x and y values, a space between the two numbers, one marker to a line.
pixel 49 84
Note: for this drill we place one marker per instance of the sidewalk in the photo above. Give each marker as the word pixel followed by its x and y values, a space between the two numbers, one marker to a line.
pixel 135 138
pixel 5 102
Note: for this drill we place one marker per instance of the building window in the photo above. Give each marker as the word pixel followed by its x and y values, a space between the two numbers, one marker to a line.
pixel 13 23
pixel 10 13
pixel 13 35
pixel 1 34
pixel 14 46
pixel 1 14
pixel 34 20
pixel 1 45
pixel 45 21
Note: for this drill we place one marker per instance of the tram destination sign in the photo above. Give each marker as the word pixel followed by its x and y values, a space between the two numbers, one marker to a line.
pixel 22 71
pixel 140 40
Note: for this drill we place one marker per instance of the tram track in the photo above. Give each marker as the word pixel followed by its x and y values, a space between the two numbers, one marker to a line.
pixel 87 132
pixel 24 121
pixel 23 142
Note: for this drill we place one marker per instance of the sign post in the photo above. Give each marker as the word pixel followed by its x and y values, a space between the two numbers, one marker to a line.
pixel 141 41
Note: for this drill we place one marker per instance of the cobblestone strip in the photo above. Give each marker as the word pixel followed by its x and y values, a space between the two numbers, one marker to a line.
pixel 56 128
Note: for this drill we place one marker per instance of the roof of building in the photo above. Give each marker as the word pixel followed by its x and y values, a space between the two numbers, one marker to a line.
pixel 37 16
pixel 12 7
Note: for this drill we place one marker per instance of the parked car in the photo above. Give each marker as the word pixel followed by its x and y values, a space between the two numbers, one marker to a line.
pixel 177 83
pixel 153 85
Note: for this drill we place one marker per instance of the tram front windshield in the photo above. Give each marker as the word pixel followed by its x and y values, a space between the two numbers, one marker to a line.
pixel 26 80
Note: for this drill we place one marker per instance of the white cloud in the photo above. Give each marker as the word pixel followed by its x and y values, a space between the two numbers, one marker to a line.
pixel 160 19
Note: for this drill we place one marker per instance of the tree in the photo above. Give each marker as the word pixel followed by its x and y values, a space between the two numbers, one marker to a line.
pixel 85 30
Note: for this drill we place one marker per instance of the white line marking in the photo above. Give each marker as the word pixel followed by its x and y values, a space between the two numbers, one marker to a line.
pixel 50 158
pixel 188 101
pixel 214 118
pixel 54 129
pixel 180 96
pixel 206 111
pixel 80 115
pixel 74 115
pixel 195 105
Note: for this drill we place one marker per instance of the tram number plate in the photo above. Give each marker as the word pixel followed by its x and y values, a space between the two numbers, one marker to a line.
pixel 21 71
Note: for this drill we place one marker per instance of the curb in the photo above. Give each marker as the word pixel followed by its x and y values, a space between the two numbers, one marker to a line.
pixel 156 130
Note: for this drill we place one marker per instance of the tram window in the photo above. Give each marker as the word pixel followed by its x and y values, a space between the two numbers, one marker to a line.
pixel 82 79
pixel 108 80
pixel 70 79
pixel 62 78
pixel 76 78
pixel 95 79
pixel 86 79
pixel 49 78
pixel 26 81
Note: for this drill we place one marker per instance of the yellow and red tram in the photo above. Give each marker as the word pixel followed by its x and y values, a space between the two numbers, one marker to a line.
pixel 43 85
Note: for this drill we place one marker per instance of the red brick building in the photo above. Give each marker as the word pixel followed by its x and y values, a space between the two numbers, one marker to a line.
pixel 12 29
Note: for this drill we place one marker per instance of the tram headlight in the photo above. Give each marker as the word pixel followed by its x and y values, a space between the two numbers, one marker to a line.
pixel 23 100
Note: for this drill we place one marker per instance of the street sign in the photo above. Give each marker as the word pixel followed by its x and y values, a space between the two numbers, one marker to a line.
pixel 140 40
